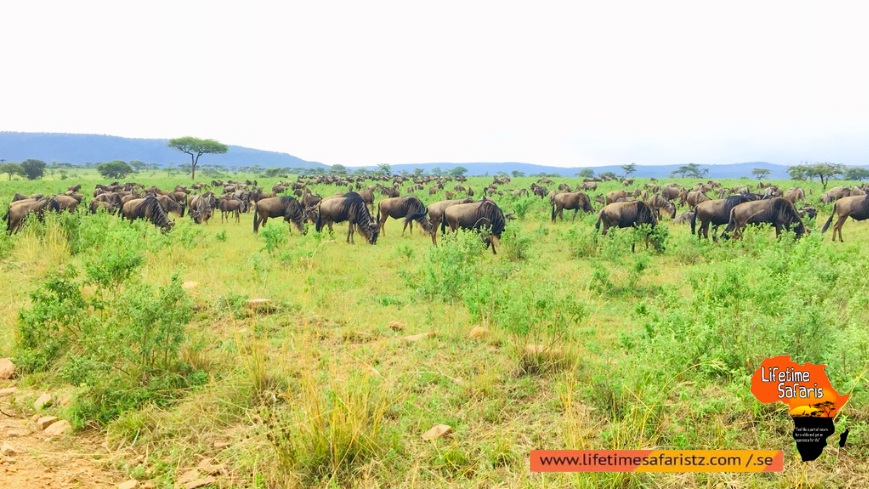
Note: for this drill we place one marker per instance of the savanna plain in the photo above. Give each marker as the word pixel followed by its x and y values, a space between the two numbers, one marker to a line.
pixel 147 342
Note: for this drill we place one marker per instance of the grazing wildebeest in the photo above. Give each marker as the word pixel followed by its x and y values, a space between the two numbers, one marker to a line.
pixel 776 211
pixel 436 213
pixel 658 202
pixel 483 215
pixel 589 185
pixel 795 195
pixel 695 197
pixel 684 218
pixel 715 212
pixel 855 207
pixel 615 196
pixel 349 207
pixel 626 214
pixel 368 196
pixel 66 202
pixel 170 204
pixel 835 194
pixel 19 211
pixel 201 207
pixel 230 206
pixel 148 208
pixel 408 207
pixel 670 192
pixel 575 201
pixel 287 207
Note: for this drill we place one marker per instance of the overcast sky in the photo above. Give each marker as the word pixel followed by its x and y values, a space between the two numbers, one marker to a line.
pixel 570 83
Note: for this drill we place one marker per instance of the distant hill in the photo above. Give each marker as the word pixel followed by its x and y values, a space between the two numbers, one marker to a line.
pixel 91 148
pixel 81 149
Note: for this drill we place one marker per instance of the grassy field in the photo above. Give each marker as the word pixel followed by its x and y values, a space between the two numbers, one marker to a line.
pixel 585 345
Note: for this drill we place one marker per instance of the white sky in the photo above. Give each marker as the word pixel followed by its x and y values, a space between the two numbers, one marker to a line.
pixel 570 83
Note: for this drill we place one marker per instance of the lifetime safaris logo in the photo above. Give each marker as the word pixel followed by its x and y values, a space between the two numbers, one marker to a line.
pixel 811 397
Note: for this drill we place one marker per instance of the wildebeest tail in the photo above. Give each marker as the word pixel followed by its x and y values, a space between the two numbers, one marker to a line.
pixel 444 224
pixel 829 221
pixel 552 203
pixel 599 217
pixel 255 220
pixel 694 221
pixel 319 224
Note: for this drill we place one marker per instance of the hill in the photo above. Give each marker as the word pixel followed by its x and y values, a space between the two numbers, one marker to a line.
pixel 81 149
pixel 92 148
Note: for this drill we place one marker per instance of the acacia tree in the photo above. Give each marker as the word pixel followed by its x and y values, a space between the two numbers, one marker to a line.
pixel 196 147
pixel 761 173
pixel 115 169
pixel 11 169
pixel 856 173
pixel 824 172
pixel 798 172
pixel 628 169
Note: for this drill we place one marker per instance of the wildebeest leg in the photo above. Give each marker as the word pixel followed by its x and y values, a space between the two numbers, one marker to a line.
pixel 350 232
pixel 575 212
pixel 237 216
pixel 838 227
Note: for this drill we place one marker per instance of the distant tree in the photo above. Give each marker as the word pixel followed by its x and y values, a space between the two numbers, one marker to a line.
pixel 11 169
pixel 384 169
pixel 691 170
pixel 607 175
pixel 138 166
pixel 824 172
pixel 362 172
pixel 798 172
pixel 418 172
pixel 196 147
pixel 33 169
pixel 338 170
pixel 856 173
pixel 628 169
pixel 436 171
pixel 115 169
pixel 517 173
pixel 760 173
pixel 586 173
pixel 458 171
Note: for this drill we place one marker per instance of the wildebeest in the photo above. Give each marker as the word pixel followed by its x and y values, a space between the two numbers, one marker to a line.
pixel 695 197
pixel 715 212
pixel 170 204
pixel 287 207
pixel 19 211
pixel 66 202
pixel 148 208
pixel 658 202
pixel 408 207
pixel 615 196
pixel 201 207
pixel 795 195
pixel 477 216
pixel 855 207
pixel 436 213
pixel 349 207
pixel 230 206
pixel 575 201
pixel 776 211
pixel 626 214
pixel 684 218
pixel 835 194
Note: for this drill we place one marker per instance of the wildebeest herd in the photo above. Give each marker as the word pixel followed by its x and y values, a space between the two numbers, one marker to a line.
pixel 734 208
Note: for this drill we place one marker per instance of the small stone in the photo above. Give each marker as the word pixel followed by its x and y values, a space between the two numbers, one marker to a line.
pixel 8 391
pixel 45 422
pixel 437 431
pixel 200 482
pixel 416 337
pixel 477 332
pixel 130 484
pixel 6 450
pixel 396 326
pixel 189 285
pixel 7 368
pixel 14 433
pixel 59 428
pixel 42 401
